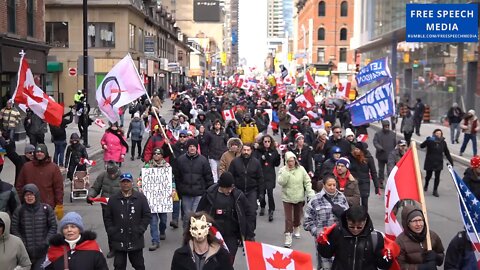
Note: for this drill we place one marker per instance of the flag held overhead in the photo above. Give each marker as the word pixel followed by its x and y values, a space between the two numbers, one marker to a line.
pixel 261 256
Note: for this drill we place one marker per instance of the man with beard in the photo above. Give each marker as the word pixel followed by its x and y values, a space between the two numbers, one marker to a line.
pixel 337 140
pixel 384 142
pixel 248 175
pixel 47 176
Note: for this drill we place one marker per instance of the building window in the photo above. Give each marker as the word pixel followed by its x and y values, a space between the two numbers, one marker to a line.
pixel 56 34
pixel 320 55
pixel 321 33
pixel 343 55
pixel 131 36
pixel 343 34
pixel 344 9
pixel 30 17
pixel 321 9
pixel 141 39
pixel 101 35
pixel 11 16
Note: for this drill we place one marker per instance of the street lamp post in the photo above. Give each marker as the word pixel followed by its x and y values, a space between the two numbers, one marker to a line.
pixel 304 50
pixel 85 72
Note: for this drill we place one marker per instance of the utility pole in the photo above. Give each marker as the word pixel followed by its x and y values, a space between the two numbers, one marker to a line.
pixel 86 109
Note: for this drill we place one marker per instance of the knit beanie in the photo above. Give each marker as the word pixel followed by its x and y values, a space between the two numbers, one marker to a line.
pixel 192 142
pixel 71 218
pixel 475 162
pixel 415 213
pixel 343 161
pixel 349 132
pixel 226 180
pixel 29 148
pixel 42 148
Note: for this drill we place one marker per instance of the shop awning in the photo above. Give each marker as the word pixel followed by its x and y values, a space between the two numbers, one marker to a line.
pixel 54 66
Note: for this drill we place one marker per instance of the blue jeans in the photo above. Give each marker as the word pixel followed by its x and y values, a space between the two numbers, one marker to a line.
pixel 466 138
pixel 454 132
pixel 154 227
pixel 59 155
pixel 176 211
pixel 189 206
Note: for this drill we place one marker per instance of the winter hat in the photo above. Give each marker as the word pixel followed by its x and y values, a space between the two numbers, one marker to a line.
pixel 71 218
pixel 328 124
pixel 226 180
pixel 343 161
pixel 29 148
pixel 112 167
pixel 415 213
pixel 299 136
pixel 349 132
pixel 472 112
pixel 137 114
pixel 42 148
pixel 192 142
pixel 158 150
pixel 385 123
pixel 475 162
pixel 183 132
pixel 402 142
pixel 361 146
pixel 322 132
pixel 74 137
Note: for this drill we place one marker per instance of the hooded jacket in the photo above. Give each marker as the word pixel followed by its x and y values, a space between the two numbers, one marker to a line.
pixel 8 198
pixel 228 156
pixel 136 129
pixel 105 186
pixel 355 251
pixel 295 183
pixel 85 256
pixel 12 250
pixel 73 155
pixel 248 174
pixel 34 224
pixel 247 131
pixel 46 176
pixel 414 246
pixel 384 142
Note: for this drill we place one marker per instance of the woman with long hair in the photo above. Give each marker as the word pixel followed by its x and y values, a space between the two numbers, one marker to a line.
pixel 114 144
pixel 201 250
pixel 362 167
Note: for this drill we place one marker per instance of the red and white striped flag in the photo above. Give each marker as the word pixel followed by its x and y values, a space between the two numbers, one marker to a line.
pixel 362 137
pixel 228 115
pixel 401 184
pixel 219 236
pixel 87 161
pixel 29 95
pixel 261 256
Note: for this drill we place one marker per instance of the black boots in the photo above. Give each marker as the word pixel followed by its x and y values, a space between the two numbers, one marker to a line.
pixel 262 211
pixel 435 193
pixel 270 215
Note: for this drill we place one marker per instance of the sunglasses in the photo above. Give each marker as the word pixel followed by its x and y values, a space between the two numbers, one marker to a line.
pixel 183 136
pixel 31 153
pixel 337 132
pixel 267 141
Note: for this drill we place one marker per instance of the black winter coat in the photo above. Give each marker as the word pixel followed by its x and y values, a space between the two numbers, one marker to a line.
pixel 218 144
pixel 34 224
pixel 472 180
pixel 247 177
pixel 217 259
pixel 355 252
pixel 87 255
pixel 126 220
pixel 362 173
pixel 204 141
pixel 59 133
pixel 193 175
pixel 243 211
pixel 434 157
pixel 342 143
pixel 304 157
pixel 269 159
pixel 73 155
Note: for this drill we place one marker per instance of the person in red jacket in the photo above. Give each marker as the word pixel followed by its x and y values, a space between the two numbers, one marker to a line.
pixel 157 140
pixel 46 176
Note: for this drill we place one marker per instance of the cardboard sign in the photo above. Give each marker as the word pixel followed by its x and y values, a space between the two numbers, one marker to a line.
pixel 157 187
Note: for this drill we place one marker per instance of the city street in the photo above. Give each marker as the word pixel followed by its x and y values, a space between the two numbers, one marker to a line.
pixel 443 215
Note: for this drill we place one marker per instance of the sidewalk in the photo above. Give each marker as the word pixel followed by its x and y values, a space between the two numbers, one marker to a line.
pixel 426 130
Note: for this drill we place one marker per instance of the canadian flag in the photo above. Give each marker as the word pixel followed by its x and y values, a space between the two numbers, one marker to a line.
pixel 261 256
pixel 28 94
pixel 102 200
pixel 306 100
pixel 99 122
pixel 228 115
pixel 293 118
pixel 87 161
pixel 362 137
pixel 343 91
pixel 310 80
pixel 281 90
pixel 120 86
pixel 401 184
pixel 289 80
pixel 219 236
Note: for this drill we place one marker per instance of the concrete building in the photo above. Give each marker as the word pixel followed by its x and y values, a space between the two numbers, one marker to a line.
pixel 324 29
pixel 22 27
pixel 276 24
pixel 115 28
pixel 438 73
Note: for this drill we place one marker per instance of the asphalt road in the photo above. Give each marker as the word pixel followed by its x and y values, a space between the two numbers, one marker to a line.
pixel 443 215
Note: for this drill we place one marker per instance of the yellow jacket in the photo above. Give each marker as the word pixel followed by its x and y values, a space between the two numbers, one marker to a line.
pixel 247 132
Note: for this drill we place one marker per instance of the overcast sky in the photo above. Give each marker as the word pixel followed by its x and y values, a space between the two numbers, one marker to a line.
pixel 252 36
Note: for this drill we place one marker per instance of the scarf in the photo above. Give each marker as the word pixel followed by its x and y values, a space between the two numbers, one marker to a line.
pixel 342 181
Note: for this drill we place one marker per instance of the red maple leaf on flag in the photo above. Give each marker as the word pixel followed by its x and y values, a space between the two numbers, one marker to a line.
pixel 29 92
pixel 279 261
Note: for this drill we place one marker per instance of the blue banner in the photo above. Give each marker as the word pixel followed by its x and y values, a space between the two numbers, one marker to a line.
pixel 442 23
pixel 375 105
pixel 374 71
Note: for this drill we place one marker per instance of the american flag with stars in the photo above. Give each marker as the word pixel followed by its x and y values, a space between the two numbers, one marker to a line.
pixel 469 210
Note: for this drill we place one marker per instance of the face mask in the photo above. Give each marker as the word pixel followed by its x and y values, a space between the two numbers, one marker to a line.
pixel 199 228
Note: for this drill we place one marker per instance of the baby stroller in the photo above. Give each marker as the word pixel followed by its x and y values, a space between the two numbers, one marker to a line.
pixel 80 183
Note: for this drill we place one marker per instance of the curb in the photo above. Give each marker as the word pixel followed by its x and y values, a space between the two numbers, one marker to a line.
pixel 456 158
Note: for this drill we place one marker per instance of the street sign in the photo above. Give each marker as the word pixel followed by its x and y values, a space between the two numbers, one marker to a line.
pixel 72 72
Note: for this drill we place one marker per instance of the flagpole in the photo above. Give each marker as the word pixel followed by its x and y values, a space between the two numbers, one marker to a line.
pixel 22 54
pixel 153 108
pixel 450 169
pixel 420 192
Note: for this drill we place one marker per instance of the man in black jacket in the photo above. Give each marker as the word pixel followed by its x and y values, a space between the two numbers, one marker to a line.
pixel 248 175
pixel 337 140
pixel 193 176
pixel 216 148
pixel 229 207
pixel 127 218
pixel 59 138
